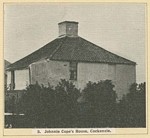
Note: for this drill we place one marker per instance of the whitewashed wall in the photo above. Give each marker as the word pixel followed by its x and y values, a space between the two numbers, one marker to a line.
pixel 91 72
pixel 21 79
pixel 53 71
pixel 121 75
pixel 125 76
pixel 49 71
pixel 8 78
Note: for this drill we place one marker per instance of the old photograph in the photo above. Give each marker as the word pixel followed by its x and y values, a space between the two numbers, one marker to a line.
pixel 75 65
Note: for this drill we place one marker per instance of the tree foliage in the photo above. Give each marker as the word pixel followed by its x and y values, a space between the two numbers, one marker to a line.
pixel 65 106
pixel 101 100
pixel 50 107
pixel 132 107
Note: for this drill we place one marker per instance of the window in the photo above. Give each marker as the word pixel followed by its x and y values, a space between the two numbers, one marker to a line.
pixel 73 71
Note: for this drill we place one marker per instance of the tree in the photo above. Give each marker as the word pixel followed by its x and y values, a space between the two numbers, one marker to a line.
pixel 101 104
pixel 50 107
pixel 38 104
pixel 132 107
pixel 66 103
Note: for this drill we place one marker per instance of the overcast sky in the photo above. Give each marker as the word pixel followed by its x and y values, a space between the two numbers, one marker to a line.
pixel 119 28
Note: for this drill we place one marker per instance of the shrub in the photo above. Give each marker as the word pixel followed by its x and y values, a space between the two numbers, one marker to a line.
pixel 132 107
pixel 100 102
pixel 66 103
pixel 51 107
pixel 58 107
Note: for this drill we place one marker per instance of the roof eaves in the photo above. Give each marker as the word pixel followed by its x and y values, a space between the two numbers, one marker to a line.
pixel 17 68
pixel 85 61
pixel 132 62
pixel 17 64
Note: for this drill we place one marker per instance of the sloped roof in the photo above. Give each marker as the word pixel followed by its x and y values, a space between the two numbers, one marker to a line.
pixel 7 63
pixel 70 49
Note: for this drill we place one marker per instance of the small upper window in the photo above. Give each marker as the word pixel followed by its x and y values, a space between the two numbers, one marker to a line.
pixel 73 71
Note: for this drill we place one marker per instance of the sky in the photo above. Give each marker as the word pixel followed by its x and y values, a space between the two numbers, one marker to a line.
pixel 116 27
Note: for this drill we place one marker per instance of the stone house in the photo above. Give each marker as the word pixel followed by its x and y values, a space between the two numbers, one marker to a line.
pixel 73 58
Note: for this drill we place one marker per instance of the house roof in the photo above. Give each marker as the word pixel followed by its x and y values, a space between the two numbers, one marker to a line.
pixel 7 63
pixel 70 49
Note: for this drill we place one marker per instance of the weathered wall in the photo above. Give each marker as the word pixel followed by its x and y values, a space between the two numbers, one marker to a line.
pixel 49 71
pixel 8 78
pixel 21 79
pixel 53 71
pixel 91 72
pixel 125 76
pixel 121 75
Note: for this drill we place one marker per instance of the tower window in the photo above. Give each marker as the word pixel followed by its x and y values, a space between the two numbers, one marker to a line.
pixel 73 71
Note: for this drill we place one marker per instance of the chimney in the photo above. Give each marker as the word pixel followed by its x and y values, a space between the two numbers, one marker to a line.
pixel 68 28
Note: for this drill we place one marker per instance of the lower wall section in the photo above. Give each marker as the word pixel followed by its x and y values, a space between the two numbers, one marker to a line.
pixel 21 79
pixel 125 76
pixel 122 75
